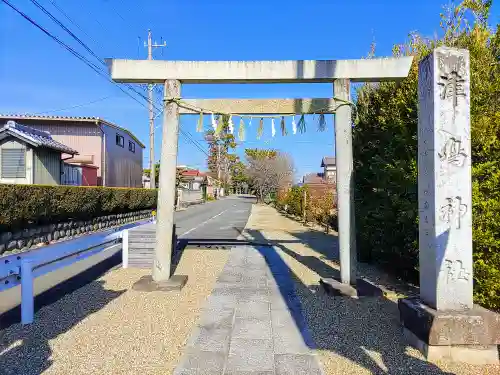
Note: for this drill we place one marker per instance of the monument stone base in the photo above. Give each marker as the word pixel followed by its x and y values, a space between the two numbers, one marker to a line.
pixel 470 336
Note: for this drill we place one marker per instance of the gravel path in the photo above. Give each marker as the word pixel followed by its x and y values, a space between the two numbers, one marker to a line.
pixel 107 328
pixel 352 336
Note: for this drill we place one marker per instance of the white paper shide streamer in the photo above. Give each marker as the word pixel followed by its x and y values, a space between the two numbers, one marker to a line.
pixel 273 129
pixel 294 125
pixel 231 125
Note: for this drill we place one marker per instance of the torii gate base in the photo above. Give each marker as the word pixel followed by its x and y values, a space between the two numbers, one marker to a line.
pixel 147 284
pixel 142 257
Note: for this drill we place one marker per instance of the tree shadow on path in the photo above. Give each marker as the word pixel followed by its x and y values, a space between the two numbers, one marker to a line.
pixel 327 246
pixel 365 331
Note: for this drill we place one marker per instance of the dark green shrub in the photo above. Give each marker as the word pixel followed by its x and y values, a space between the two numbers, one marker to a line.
pixel 385 146
pixel 23 205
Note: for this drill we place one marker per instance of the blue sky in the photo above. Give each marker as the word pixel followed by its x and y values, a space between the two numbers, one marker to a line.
pixel 37 75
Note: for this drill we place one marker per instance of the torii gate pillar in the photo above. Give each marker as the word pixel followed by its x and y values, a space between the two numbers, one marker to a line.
pixel 345 193
pixel 166 196
pixel 161 278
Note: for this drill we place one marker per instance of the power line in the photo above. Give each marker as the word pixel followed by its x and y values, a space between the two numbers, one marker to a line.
pixel 118 14
pixel 75 106
pixel 73 22
pixel 74 36
pixel 83 44
pixel 95 19
pixel 82 58
pixel 158 90
pixel 186 133
pixel 57 40
pixel 51 16
pixel 122 5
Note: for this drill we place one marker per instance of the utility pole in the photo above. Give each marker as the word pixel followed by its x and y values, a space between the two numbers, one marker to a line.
pixel 215 139
pixel 304 202
pixel 152 167
pixel 218 169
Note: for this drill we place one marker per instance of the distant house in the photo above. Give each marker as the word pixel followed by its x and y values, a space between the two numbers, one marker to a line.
pixel 113 152
pixel 213 185
pixel 321 183
pixel 146 181
pixel 193 179
pixel 329 165
pixel 329 174
pixel 30 156
pixel 313 178
pixel 192 187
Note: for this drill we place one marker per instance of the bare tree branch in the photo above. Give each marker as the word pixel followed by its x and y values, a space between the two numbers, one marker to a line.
pixel 270 173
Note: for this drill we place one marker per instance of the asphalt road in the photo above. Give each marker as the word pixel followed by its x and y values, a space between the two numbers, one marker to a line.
pixel 222 219
pixel 212 224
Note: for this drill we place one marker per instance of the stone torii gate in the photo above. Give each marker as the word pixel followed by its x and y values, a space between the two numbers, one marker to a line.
pixel 173 73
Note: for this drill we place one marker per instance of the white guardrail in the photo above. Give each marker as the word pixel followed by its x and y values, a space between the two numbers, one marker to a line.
pixel 23 268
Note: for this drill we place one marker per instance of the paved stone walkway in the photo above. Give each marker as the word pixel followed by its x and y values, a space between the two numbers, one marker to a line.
pixel 252 323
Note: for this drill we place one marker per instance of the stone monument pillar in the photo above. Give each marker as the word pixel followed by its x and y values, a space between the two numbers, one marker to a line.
pixel 444 322
pixel 444 180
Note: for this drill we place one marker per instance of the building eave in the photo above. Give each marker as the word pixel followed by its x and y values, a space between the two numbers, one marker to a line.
pixel 83 119
pixel 10 133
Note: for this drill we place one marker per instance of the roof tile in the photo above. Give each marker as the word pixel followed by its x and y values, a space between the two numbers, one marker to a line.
pixel 36 137
pixel 328 160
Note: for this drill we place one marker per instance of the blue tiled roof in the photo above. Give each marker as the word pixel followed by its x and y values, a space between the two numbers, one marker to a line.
pixel 36 138
pixel 75 119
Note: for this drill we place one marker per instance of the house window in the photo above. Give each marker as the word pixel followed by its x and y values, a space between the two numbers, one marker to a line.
pixel 120 141
pixel 131 146
pixel 13 162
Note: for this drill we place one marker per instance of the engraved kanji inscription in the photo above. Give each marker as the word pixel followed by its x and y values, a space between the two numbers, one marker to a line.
pixel 453 211
pixel 455 270
pixel 452 87
pixel 452 151
pixel 158 265
pixel 451 77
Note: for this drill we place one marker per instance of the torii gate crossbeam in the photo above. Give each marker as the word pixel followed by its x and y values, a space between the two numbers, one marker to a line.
pixel 339 72
pixel 286 71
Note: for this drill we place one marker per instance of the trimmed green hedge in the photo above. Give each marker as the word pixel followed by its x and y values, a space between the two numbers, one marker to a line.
pixel 25 205
pixel 294 199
